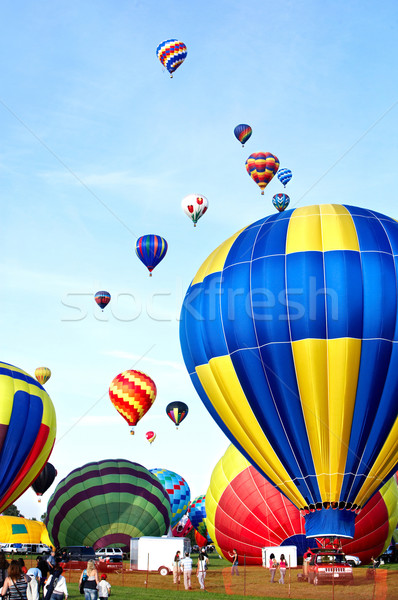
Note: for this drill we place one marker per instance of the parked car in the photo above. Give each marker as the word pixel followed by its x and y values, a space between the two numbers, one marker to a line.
pixel 37 549
pixel 109 553
pixel 15 548
pixel 327 566
pixel 76 557
pixel 354 561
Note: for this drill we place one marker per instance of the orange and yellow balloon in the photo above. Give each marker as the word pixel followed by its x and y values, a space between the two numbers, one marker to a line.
pixel 42 374
pixel 262 166
pixel 132 393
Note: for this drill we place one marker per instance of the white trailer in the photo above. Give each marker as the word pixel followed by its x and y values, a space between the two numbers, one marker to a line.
pixel 290 553
pixel 156 553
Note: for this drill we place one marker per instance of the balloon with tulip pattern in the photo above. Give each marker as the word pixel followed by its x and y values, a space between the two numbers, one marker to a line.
pixel 194 206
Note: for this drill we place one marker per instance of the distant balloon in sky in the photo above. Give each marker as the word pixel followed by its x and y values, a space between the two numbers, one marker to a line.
pixel 194 206
pixel 27 432
pixel 132 393
pixel 281 201
pixel 150 436
pixel 42 374
pixel 284 176
pixel 151 250
pixel 171 54
pixel 243 133
pixel 44 481
pixel 262 166
pixel 102 299
pixel 177 411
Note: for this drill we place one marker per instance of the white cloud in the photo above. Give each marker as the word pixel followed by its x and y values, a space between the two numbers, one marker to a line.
pixel 153 361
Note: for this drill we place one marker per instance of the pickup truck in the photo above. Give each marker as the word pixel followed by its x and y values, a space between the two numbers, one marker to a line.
pixel 327 566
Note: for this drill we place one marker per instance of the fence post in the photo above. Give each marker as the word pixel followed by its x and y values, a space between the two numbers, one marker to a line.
pixel 147 573
pixel 289 577
pixel 244 574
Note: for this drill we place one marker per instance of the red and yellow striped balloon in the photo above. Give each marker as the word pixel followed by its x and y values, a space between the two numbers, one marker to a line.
pixel 262 166
pixel 132 393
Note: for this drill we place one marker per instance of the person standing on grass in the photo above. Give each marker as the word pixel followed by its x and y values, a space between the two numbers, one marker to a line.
pixel 16 583
pixel 186 568
pixel 282 568
pixel 104 588
pixel 235 562
pixel 90 577
pixel 273 565
pixel 176 567
pixel 201 569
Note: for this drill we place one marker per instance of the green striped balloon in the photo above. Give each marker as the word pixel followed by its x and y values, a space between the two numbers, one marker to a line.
pixel 106 503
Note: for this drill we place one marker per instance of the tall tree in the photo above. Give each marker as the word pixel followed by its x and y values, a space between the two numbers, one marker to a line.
pixel 12 511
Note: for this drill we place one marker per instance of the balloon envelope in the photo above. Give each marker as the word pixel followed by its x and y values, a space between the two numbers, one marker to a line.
pixel 262 166
pixel 27 432
pixel 151 250
pixel 178 492
pixel 281 202
pixel 102 299
pixel 244 511
pixel 242 133
pixel 106 503
pixel 42 374
pixel 284 176
pixel 183 527
pixel 132 393
pixel 301 370
pixel 177 411
pixel 44 481
pixel 197 516
pixel 194 206
pixel 171 54
pixel 150 436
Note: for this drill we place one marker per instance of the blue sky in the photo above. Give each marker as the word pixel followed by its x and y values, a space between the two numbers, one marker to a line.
pixel 99 146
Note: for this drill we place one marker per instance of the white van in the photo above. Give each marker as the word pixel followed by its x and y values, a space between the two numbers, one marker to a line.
pixel 37 549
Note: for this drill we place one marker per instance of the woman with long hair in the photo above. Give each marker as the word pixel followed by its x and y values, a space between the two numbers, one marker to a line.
pixel 4 564
pixel 89 578
pixel 282 568
pixel 273 565
pixel 15 583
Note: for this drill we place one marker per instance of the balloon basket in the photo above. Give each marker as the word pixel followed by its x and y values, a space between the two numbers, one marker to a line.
pixel 194 224
pixel 262 193
pixel 150 274
pixel 39 499
pixel 131 431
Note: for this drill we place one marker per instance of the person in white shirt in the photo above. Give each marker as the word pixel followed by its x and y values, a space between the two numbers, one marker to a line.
pixel 58 582
pixel 186 568
pixel 104 588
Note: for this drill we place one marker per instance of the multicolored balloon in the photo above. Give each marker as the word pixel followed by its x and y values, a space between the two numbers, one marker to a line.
pixel 42 374
pixel 197 516
pixel 281 201
pixel 306 390
pixel 242 133
pixel 177 411
pixel 262 166
pixel 171 54
pixel 150 436
pixel 45 480
pixel 151 250
pixel 284 176
pixel 102 299
pixel 183 527
pixel 194 206
pixel 106 503
pixel 178 491
pixel 244 511
pixel 132 393
pixel 28 428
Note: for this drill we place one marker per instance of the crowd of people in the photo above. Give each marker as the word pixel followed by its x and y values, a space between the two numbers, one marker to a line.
pixel 184 566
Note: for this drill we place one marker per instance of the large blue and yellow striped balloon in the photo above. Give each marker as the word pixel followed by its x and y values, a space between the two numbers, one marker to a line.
pixel 289 331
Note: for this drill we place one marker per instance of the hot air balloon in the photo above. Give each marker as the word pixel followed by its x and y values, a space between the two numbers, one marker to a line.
pixel 151 250
pixel 242 133
pixel 177 411
pixel 28 427
pixel 301 371
pixel 178 491
pixel 171 54
pixel 132 393
pixel 262 166
pixel 106 503
pixel 183 527
pixel 197 516
pixel 281 201
pixel 284 176
pixel 102 299
pixel 42 374
pixel 150 436
pixel 194 206
pixel 44 481
pixel 244 511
